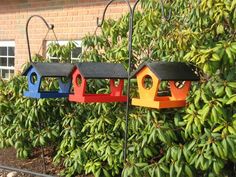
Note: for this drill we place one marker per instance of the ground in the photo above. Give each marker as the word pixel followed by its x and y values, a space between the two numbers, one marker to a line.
pixel 35 163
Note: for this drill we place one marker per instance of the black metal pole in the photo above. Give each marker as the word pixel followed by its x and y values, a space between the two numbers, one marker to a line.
pixel 131 24
pixel 41 146
pixel 50 27
pixel 167 18
pixel 99 24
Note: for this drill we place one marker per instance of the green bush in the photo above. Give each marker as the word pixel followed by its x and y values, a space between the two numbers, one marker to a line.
pixel 198 140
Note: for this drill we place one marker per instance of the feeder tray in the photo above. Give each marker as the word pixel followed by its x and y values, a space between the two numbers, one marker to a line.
pixel 37 71
pixel 93 70
pixel 173 72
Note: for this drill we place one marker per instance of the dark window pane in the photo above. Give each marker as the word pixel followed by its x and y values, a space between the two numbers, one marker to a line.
pixel 76 52
pixel 12 73
pixel 11 51
pixel 3 61
pixel 5 73
pixel 75 61
pixel 11 61
pixel 55 60
pixel 54 56
pixel 3 51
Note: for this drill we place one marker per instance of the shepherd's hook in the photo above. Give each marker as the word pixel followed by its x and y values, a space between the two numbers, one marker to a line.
pixel 49 26
pixel 99 24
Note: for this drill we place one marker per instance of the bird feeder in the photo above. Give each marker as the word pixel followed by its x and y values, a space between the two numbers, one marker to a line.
pixel 37 71
pixel 157 72
pixel 84 71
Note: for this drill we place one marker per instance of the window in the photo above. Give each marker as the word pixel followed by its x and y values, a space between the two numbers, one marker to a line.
pixel 75 54
pixel 7 59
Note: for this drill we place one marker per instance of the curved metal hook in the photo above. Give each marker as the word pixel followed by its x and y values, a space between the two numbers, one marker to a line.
pixel 50 27
pixel 105 10
pixel 135 5
pixel 167 18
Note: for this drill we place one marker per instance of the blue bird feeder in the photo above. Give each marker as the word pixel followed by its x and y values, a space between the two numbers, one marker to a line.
pixel 38 71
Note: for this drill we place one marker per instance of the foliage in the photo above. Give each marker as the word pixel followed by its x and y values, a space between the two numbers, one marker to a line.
pixel 63 52
pixel 198 140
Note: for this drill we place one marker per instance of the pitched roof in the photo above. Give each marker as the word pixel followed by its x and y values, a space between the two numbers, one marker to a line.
pixel 94 70
pixel 171 71
pixel 51 69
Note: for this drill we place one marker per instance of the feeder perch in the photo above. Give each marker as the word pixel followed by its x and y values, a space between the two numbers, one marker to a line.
pixel 173 72
pixel 93 70
pixel 37 71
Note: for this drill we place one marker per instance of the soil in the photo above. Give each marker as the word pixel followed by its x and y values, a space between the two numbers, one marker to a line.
pixel 34 164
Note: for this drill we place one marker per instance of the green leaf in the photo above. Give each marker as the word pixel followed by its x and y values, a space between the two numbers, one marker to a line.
pixel 231 100
pixel 97 173
pixel 188 171
pixel 215 57
pixel 105 172
pixel 220 29
pixel 217 129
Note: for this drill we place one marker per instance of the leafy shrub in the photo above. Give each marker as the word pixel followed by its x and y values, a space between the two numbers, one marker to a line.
pixel 198 140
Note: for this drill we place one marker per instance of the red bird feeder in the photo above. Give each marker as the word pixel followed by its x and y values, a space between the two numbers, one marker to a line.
pixel 92 70
pixel 179 75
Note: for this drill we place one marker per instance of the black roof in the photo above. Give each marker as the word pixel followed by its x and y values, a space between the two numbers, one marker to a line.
pixel 94 70
pixel 171 71
pixel 51 69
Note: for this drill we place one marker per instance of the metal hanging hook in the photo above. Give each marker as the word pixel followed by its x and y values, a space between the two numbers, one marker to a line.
pixel 49 26
pixel 99 24
pixel 166 17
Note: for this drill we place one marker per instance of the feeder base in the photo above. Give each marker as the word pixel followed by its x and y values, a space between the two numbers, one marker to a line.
pixel 158 104
pixel 45 94
pixel 98 98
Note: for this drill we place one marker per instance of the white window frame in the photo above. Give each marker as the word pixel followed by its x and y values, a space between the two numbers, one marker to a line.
pixel 9 68
pixel 64 42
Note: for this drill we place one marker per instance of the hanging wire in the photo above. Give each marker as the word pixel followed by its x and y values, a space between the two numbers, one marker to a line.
pixel 49 26
pixel 41 46
pixel 55 36
pixel 44 39
pixel 95 31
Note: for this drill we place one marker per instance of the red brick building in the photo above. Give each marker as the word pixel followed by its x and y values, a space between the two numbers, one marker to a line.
pixel 73 19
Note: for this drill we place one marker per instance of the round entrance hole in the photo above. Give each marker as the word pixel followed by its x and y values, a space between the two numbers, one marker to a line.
pixel 78 80
pixel 33 78
pixel 147 82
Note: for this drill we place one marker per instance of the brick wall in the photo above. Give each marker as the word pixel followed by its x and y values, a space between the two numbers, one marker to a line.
pixel 73 19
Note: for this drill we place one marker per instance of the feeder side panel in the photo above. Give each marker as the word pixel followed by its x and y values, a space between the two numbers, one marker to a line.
pixel 180 93
pixel 33 87
pixel 65 86
pixel 145 93
pixel 79 89
pixel 116 90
